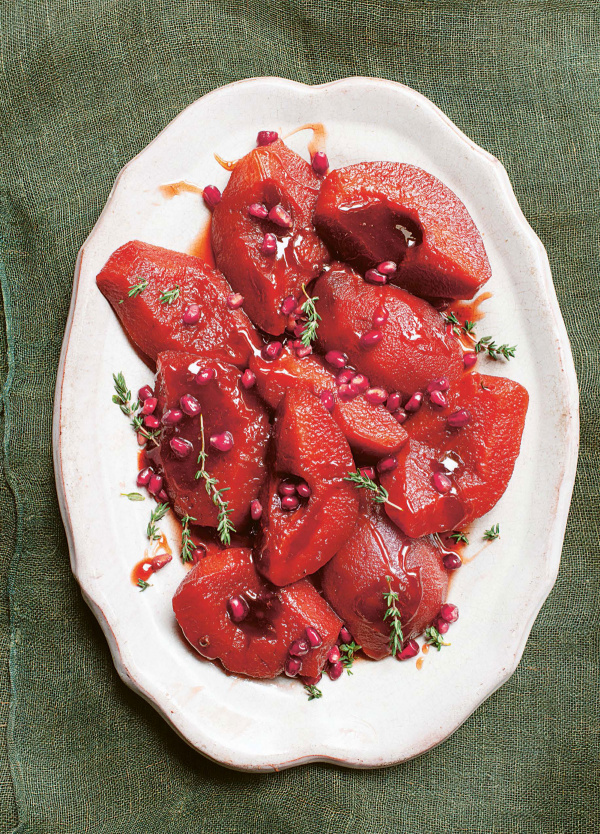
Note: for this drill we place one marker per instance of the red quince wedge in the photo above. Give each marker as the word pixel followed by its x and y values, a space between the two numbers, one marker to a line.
pixel 309 447
pixel 390 211
pixel 369 429
pixel 414 347
pixel 478 459
pixel 225 407
pixel 135 279
pixel 257 645
pixel 354 581
pixel 270 176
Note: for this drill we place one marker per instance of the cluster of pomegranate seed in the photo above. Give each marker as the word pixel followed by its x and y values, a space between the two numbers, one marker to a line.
pixel 291 494
pixel 153 482
pixel 311 639
pixel 448 615
pixel 382 274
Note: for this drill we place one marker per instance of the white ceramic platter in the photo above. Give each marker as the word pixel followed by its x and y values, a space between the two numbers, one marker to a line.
pixel 382 714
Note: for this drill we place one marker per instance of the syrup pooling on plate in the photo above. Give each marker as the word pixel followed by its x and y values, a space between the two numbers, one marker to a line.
pixel 325 419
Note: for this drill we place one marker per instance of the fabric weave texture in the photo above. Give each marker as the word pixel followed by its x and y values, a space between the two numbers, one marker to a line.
pixel 83 87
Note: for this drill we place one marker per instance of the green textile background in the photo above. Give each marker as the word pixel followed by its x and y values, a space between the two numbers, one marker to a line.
pixel 83 87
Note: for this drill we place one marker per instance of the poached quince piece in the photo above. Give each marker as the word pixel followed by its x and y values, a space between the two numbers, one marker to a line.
pixel 268 258
pixel 207 400
pixel 389 211
pixel 400 342
pixel 227 611
pixel 166 300
pixel 309 510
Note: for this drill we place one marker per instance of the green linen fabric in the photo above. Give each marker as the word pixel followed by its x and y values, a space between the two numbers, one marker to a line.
pixel 83 87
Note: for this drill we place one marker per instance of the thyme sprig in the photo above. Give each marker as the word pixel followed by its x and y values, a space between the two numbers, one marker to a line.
pixel 309 334
pixel 434 638
pixel 492 533
pixel 459 537
pixel 313 692
pixel 137 289
pixel 393 615
pixel 123 398
pixel 379 494
pixel 157 514
pixel 142 584
pixel 483 345
pixel 187 545
pixel 224 526
pixel 347 651
pixel 133 496
pixel 169 296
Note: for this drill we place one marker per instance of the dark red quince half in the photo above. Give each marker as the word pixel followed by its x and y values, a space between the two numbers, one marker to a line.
pixel 150 288
pixel 309 448
pixel 258 644
pixel 414 347
pixel 354 581
pixel 271 176
pixel 225 406
pixel 477 459
pixel 390 211
pixel 369 429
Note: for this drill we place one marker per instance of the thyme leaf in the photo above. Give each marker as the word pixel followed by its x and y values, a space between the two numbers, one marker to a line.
pixel 459 537
pixel 169 296
pixel 133 496
pixel 313 692
pixel 492 533
pixel 309 334
pixel 393 614
pixel 434 638
pixel 347 651
pixel 137 289
pixel 142 584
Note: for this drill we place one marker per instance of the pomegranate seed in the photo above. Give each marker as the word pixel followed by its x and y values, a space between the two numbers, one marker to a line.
pixel 269 244
pixel 387 267
pixel 237 608
pixel 344 376
pixel 311 680
pixel 441 482
pixel 256 509
pixel 469 359
pixel 368 472
pixel 387 464
pixel 459 419
pixel 327 399
pixel 335 671
pixel 292 666
pixel 289 503
pixel 222 442
pixel 286 488
pixel 303 490
pixel 299 648
pixel 155 484
pixel 258 210
pixel 410 650
pixel 380 316
pixel 393 402
pixel 151 422
pixel 373 337
pixel 336 358
pixel 401 416
pixel 248 378
pixel 205 375
pixel 345 392
pixel 149 406
pixel 198 553
pixel 266 137
pixel 160 561
pixel 438 399
pixel 314 638
pixel 334 655
pixel 271 351
pixel 345 635
pixel 212 196
pixel 172 417
pixel 375 277
pixel 144 476
pixel 180 448
pixel 162 497
pixel 441 625
pixel 235 300
pixel 288 305
pixel 190 405
pixel 191 314
pixel 320 163
pixel 415 402
pixel 441 384
pixel 376 396
pixel 452 561
pixel 359 383
pixel 449 612
pixel 303 351
pixel 144 393
pixel 282 218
